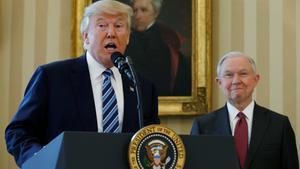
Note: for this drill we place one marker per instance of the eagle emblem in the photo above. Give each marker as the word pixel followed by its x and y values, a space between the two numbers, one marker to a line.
pixel 157 154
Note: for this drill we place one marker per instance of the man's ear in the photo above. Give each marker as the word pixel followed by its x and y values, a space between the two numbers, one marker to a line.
pixel 128 37
pixel 85 38
pixel 127 41
pixel 257 78
pixel 156 15
pixel 218 81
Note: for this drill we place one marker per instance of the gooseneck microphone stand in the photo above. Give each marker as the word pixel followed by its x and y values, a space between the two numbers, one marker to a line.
pixel 137 88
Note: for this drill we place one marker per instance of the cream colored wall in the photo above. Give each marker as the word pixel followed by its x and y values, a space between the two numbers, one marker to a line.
pixel 32 32
pixel 35 32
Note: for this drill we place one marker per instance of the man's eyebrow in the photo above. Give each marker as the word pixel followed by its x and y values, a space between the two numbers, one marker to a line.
pixel 119 19
pixel 227 71
pixel 100 19
pixel 244 70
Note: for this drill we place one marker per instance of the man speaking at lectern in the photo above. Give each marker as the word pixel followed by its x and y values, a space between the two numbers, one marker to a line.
pixel 83 94
pixel 263 139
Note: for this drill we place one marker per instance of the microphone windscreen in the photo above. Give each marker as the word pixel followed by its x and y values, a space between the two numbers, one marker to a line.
pixel 115 56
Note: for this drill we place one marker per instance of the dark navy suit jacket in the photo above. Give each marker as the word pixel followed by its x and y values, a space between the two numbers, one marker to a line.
pixel 272 144
pixel 59 98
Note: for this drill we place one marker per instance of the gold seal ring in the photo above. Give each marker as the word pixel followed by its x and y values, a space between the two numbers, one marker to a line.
pixel 156 146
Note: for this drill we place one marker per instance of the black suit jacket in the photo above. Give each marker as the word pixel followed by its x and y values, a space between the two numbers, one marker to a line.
pixel 59 98
pixel 272 144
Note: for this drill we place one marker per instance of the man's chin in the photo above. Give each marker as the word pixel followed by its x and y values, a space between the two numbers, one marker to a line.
pixel 237 93
pixel 140 28
pixel 236 97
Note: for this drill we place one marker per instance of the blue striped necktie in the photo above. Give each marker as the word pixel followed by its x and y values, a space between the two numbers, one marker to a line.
pixel 110 119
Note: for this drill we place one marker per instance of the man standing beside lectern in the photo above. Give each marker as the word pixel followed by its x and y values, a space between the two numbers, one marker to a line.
pixel 263 138
pixel 83 94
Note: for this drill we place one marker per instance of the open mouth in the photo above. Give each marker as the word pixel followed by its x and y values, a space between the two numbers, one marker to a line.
pixel 110 46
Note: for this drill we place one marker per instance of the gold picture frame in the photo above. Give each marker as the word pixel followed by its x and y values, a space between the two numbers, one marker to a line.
pixel 199 102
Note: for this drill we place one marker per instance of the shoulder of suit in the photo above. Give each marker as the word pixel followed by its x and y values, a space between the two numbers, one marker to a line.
pixel 63 64
pixel 270 112
pixel 211 115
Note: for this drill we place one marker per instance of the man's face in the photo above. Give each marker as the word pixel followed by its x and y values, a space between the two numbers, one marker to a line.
pixel 238 80
pixel 106 34
pixel 144 14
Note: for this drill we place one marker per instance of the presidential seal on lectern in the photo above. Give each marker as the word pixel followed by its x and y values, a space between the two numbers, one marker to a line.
pixel 156 147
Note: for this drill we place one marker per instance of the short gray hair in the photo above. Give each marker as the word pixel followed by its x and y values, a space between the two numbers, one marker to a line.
pixel 156 5
pixel 105 6
pixel 232 54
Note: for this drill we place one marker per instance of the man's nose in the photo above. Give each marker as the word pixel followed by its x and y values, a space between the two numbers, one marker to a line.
pixel 137 15
pixel 236 79
pixel 111 32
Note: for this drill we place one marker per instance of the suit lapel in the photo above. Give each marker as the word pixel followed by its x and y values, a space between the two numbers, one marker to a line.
pixel 222 122
pixel 83 92
pixel 130 120
pixel 259 127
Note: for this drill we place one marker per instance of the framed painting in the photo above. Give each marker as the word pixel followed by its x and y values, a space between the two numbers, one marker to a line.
pixel 192 20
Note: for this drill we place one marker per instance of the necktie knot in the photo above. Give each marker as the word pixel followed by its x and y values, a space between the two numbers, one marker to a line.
pixel 241 115
pixel 107 73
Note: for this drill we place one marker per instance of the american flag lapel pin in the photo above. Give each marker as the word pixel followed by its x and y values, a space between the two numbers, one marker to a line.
pixel 131 88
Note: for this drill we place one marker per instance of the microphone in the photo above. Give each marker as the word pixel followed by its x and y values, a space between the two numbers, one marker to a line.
pixel 127 68
pixel 120 62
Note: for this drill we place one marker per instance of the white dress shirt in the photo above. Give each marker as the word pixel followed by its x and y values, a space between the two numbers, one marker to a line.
pixel 233 118
pixel 96 69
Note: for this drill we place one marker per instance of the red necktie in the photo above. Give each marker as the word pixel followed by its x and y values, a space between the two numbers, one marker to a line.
pixel 241 138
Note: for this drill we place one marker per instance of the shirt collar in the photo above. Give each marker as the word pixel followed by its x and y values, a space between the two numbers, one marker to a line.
pixel 96 69
pixel 150 24
pixel 248 111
